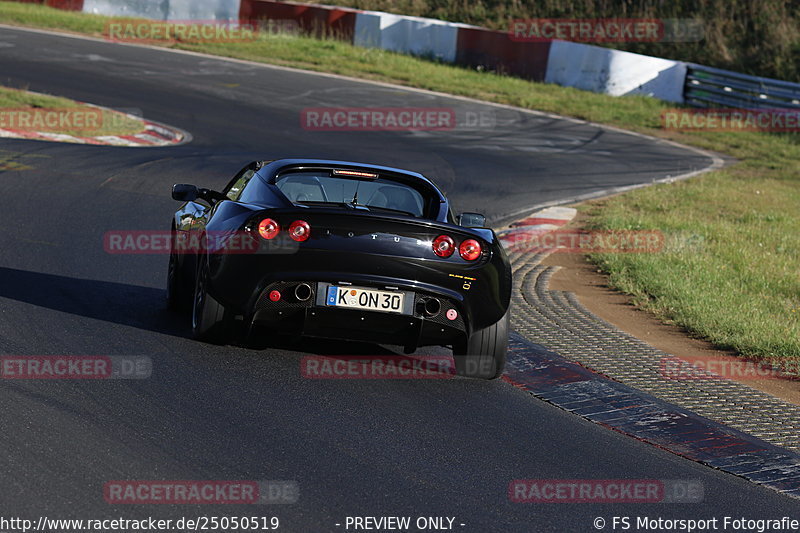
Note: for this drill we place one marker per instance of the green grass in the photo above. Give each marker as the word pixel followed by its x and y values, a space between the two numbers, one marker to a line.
pixel 729 269
pixel 729 272
pixel 112 122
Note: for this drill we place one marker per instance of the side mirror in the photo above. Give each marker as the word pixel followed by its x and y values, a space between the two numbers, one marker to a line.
pixel 471 220
pixel 183 192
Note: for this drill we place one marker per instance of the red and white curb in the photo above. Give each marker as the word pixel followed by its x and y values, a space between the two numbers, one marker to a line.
pixel 538 223
pixel 153 135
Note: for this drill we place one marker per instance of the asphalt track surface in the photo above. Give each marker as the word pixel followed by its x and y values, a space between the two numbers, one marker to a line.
pixel 355 447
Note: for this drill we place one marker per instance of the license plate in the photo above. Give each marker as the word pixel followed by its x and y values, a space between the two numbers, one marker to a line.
pixel 369 299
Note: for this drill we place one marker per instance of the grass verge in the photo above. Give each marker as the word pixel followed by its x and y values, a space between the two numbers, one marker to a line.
pixel 729 271
pixel 52 107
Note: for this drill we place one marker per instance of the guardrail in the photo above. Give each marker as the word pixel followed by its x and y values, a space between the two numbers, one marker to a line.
pixel 712 87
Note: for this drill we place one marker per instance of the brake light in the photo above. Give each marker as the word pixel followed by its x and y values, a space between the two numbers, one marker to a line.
pixel 299 230
pixel 470 249
pixel 443 246
pixel 268 228
pixel 354 173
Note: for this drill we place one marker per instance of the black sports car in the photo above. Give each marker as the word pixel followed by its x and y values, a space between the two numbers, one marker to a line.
pixel 342 250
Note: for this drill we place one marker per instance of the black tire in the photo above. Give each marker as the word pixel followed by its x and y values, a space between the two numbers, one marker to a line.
pixel 210 320
pixel 484 355
pixel 179 297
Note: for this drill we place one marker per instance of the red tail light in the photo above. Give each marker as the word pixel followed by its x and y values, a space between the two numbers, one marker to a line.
pixel 299 230
pixel 443 246
pixel 470 249
pixel 268 228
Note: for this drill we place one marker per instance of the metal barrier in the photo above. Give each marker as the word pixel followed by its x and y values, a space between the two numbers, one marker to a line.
pixel 712 87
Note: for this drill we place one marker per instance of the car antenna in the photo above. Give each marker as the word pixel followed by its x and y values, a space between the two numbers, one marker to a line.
pixel 355 196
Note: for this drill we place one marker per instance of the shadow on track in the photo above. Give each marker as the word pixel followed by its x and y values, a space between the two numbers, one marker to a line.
pixel 145 308
pixel 119 303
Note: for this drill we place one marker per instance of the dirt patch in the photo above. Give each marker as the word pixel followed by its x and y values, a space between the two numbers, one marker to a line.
pixel 579 276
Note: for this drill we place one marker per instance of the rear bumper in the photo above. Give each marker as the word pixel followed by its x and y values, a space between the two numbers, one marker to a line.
pixel 312 317
pixel 480 293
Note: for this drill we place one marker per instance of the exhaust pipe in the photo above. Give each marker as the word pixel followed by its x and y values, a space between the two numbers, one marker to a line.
pixel 431 307
pixel 302 292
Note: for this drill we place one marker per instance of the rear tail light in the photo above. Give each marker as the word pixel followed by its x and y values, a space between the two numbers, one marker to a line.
pixel 299 230
pixel 443 246
pixel 470 249
pixel 268 228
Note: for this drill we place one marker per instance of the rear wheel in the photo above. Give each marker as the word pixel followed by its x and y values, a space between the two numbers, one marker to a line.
pixel 484 354
pixel 210 320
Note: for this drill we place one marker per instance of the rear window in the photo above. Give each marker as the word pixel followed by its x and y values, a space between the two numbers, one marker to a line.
pixel 322 188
